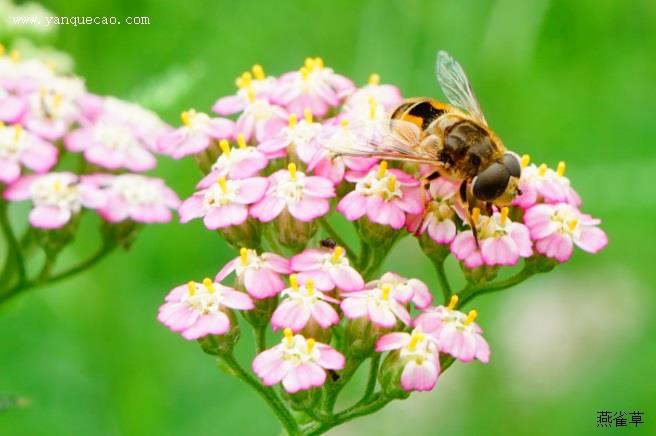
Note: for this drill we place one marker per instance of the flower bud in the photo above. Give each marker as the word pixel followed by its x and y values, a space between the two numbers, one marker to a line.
pixel 122 233
pixel 246 234
pixel 481 275
pixel 221 344
pixel 259 316
pixel 436 252
pixel 293 233
pixel 54 240
pixel 206 158
pixel 389 376
pixel 360 337
pixel 303 400
pixel 313 330
pixel 541 263
pixel 376 235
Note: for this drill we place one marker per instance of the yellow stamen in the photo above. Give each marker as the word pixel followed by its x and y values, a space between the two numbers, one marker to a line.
pixel 374 79
pixel 2 124
pixel 385 292
pixel 18 129
pixel 185 116
pixel 258 72
pixel 453 302
pixel 207 282
pixel 289 336
pixel 243 254
pixel 309 63
pixel 57 100
pixel 542 170
pixel 526 159
pixel 56 186
pixel 414 340
pixel 191 288
pixel 2 50
pixel 305 72
pixel 344 123
pixel 246 78
pixel 292 170
pixel 308 115
pixel 225 147
pixel 309 285
pixel 241 141
pixel 310 345
pixel 15 55
pixel 337 253
pixel 471 316
pixel 504 215
pixel 561 168
pixel 293 280
pixel 292 120
pixel 391 184
pixel 372 107
pixel 222 183
pixel 476 214
pixel 572 224
pixel 251 94
pixel 318 63
pixel 382 169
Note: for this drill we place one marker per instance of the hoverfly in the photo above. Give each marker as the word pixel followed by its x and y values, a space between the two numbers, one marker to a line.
pixel 453 139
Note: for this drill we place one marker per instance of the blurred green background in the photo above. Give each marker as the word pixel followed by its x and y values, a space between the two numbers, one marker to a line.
pixel 557 79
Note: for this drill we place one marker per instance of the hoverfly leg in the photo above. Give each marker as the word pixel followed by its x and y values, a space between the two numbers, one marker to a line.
pixel 425 194
pixel 466 197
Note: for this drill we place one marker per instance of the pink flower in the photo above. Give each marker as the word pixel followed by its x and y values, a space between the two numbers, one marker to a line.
pixel 387 95
pixel 302 303
pixel 298 138
pixel 298 362
pixel 304 197
pixel 196 134
pixel 143 125
pixel 235 163
pixel 455 333
pixel 555 228
pixel 378 304
pixel 249 86
pixel 131 196
pixel 328 268
pixel 439 218
pixel 385 196
pixel 53 109
pixel 501 241
pixel 404 290
pixel 111 146
pixel 199 309
pixel 12 107
pixel 539 184
pixel 224 203
pixel 260 275
pixel 419 354
pixel 56 197
pixel 20 147
pixel 313 86
pixel 326 163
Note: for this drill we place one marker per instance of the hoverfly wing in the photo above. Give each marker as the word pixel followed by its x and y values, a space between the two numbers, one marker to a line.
pixel 382 139
pixel 456 86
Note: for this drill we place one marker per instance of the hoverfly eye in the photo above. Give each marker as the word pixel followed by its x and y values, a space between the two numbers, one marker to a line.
pixel 491 182
pixel 512 164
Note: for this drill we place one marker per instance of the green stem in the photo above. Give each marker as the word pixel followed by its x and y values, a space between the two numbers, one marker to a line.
pixel 371 379
pixel 335 236
pixel 470 292
pixel 376 402
pixel 445 287
pixel 45 278
pixel 335 388
pixel 268 394
pixel 260 338
pixel 14 252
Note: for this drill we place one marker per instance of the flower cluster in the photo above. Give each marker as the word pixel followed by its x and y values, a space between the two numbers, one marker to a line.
pixel 271 178
pixel 46 115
